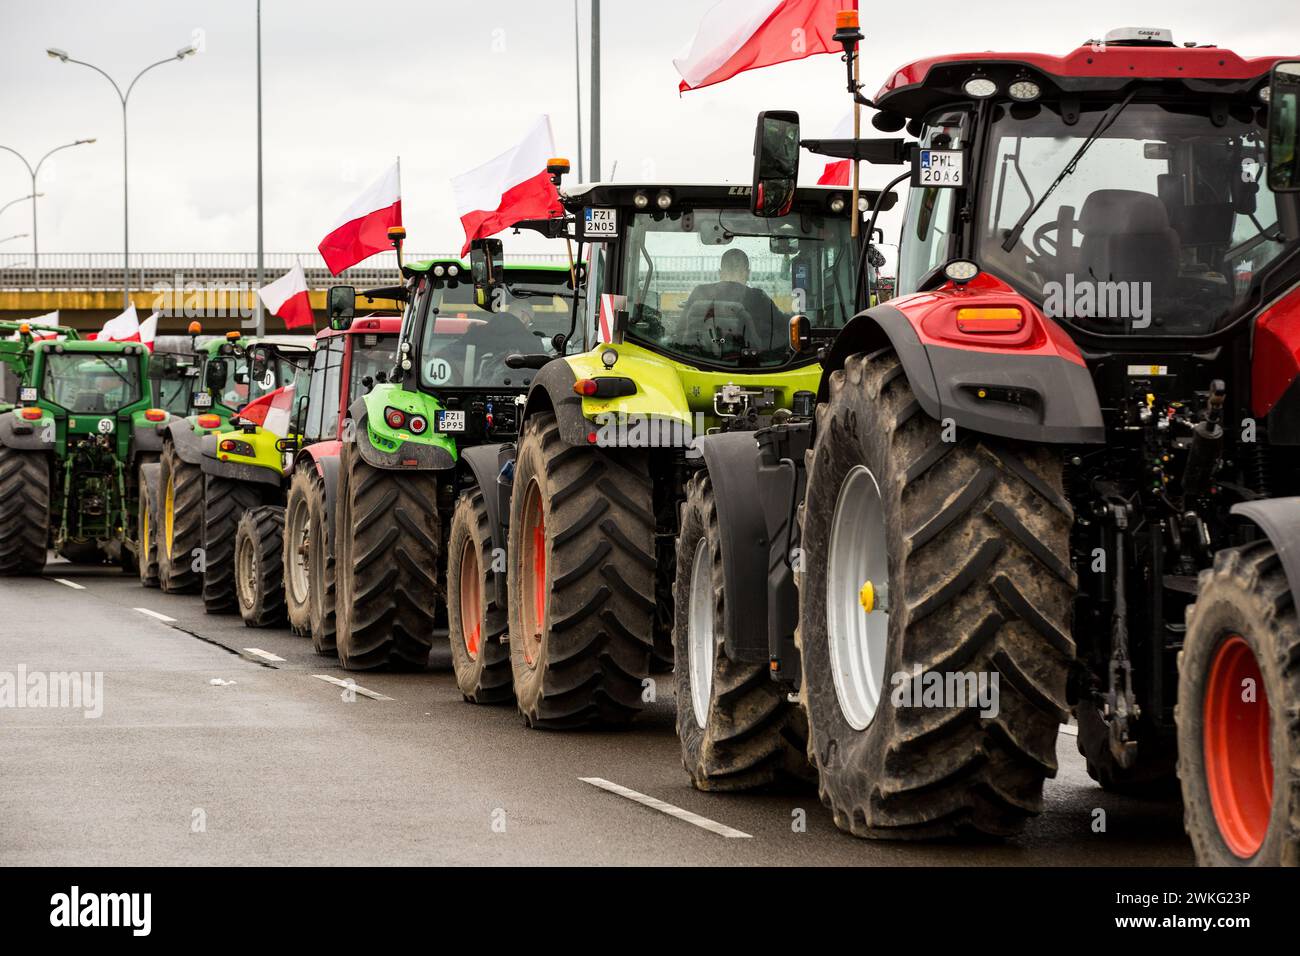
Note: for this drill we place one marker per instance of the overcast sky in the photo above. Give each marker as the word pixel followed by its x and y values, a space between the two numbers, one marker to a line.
pixel 349 85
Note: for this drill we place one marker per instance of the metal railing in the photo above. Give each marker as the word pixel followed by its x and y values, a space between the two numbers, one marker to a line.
pixel 102 271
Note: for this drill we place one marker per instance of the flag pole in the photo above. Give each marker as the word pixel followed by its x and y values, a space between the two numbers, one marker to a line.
pixel 855 227
pixel 261 277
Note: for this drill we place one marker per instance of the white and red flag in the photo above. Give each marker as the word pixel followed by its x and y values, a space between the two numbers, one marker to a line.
pixel 740 35
pixel 149 330
pixel 124 327
pixel 509 188
pixel 272 411
pixel 362 230
pixel 838 172
pixel 288 298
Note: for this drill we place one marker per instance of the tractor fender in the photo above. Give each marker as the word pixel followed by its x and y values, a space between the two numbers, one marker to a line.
pixel 234 470
pixel 1058 400
pixel 185 440
pixel 1279 519
pixel 756 477
pixel 552 390
pixel 15 435
pixel 492 468
pixel 151 476
pixel 317 451
pixel 146 443
pixel 409 455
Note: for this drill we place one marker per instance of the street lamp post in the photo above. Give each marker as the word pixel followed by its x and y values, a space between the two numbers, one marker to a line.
pixel 34 171
pixel 16 235
pixel 63 57
pixel 14 202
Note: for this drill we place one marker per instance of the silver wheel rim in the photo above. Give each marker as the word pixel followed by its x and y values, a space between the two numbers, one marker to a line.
pixel 699 632
pixel 858 640
pixel 299 580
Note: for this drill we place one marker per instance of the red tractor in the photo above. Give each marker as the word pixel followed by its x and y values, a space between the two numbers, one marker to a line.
pixel 1056 475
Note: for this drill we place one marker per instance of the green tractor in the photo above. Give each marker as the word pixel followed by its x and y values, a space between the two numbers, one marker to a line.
pixel 71 450
pixel 415 449
pixel 215 466
pixel 686 331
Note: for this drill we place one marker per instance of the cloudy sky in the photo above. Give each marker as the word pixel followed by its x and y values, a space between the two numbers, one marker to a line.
pixel 347 86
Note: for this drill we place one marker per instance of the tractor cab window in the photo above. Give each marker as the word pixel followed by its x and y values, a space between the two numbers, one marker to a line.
pixel 235 392
pixel 464 346
pixel 90 383
pixel 1158 230
pixel 929 223
pixel 373 359
pixel 720 285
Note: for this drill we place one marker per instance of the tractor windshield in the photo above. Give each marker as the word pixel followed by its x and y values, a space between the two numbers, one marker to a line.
pixel 463 346
pixel 1158 229
pixel 89 383
pixel 720 285
pixel 373 359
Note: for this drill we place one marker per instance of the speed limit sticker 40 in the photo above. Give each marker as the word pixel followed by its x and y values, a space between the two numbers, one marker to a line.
pixel 939 167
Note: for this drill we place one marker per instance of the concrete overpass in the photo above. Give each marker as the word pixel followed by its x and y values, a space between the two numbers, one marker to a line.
pixel 217 289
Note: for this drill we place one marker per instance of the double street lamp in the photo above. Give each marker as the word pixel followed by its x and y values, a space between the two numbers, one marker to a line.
pixel 33 171
pixel 63 57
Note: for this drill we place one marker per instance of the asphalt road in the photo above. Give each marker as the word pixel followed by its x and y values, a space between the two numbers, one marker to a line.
pixel 206 753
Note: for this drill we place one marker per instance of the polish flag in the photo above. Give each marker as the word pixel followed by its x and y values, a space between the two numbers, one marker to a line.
pixel 287 297
pixel 49 318
pixel 739 35
pixel 121 328
pixel 839 172
pixel 271 411
pixel 511 187
pixel 363 229
pixel 149 330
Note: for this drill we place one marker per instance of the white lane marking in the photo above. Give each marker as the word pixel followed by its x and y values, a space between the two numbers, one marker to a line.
pixel 703 822
pixel 351 685
pixel 71 584
pixel 154 614
pixel 1070 729
pixel 264 655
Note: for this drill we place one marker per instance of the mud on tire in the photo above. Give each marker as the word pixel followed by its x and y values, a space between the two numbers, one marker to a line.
pixel 751 735
pixel 259 566
pixel 180 522
pixel 582 580
pixel 976 537
pixel 321 589
pixel 146 528
pixel 388 538
pixel 476 623
pixel 224 503
pixel 24 510
pixel 1237 713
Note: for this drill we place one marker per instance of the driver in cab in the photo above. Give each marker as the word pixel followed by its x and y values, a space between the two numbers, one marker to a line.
pixel 731 309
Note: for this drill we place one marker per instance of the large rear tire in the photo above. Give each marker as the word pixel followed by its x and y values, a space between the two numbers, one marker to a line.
pixel 970 538
pixel 581 565
pixel 736 726
pixel 1238 701
pixel 24 510
pixel 298 541
pixel 259 566
pixel 180 527
pixel 224 503
pixel 475 623
pixel 388 542
pixel 146 523
pixel 321 591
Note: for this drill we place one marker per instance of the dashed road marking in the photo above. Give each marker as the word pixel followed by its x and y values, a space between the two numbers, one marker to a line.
pixel 71 584
pixel 351 685
pixel 154 614
pixel 693 818
pixel 264 655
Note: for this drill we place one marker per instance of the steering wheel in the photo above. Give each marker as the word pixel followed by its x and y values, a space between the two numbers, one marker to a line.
pixel 1041 240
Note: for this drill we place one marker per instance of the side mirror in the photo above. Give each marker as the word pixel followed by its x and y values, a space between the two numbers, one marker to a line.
pixel 215 375
pixel 340 306
pixel 486 270
pixel 776 163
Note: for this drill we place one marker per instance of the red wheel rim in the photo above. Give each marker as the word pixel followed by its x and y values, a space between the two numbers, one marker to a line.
pixel 533 569
pixel 471 599
pixel 1238 761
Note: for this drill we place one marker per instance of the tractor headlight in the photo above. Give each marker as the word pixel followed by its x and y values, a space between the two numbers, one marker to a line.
pixel 1024 91
pixel 979 87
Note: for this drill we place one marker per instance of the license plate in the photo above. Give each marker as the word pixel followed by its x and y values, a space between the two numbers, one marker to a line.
pixel 451 421
pixel 202 400
pixel 600 223
pixel 938 167
pixel 27 394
